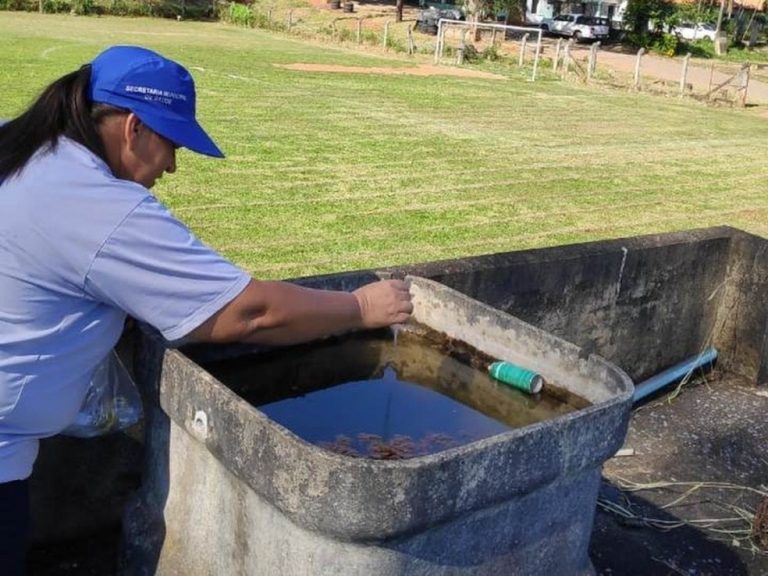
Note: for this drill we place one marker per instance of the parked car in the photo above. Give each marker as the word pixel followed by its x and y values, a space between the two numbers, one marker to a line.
pixel 687 31
pixel 578 26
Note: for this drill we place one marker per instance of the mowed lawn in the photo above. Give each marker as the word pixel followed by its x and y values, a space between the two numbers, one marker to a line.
pixel 329 172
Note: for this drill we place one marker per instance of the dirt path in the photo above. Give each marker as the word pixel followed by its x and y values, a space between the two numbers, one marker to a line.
pixel 423 70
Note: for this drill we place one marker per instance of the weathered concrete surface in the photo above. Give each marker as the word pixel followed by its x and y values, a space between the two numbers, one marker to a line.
pixel 230 529
pixel 741 331
pixel 713 432
pixel 287 507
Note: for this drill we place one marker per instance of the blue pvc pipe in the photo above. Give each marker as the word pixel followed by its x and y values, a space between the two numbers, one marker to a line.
pixel 672 374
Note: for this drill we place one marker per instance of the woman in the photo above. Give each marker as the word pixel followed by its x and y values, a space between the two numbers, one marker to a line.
pixel 83 244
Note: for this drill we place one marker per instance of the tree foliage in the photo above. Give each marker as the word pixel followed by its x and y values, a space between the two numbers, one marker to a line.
pixel 640 13
pixel 513 10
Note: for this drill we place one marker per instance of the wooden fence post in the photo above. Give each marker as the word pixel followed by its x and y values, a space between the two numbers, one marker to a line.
pixel 636 84
pixel 290 20
pixel 592 59
pixel 567 58
pixel 557 54
pixel 523 44
pixel 411 48
pixel 460 52
pixel 359 30
pixel 684 74
pixel 743 84
pixel 386 33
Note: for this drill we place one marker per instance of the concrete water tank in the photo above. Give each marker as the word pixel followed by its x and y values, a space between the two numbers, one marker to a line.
pixel 227 490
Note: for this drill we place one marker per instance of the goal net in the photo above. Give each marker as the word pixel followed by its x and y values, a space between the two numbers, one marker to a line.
pixel 462 40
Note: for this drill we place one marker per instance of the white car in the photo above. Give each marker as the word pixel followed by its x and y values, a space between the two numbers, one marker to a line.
pixel 578 26
pixel 694 31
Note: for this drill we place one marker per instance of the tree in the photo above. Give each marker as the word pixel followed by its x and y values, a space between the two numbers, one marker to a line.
pixel 640 12
pixel 514 10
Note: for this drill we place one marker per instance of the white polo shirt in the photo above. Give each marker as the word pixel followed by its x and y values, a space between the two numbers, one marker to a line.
pixel 79 249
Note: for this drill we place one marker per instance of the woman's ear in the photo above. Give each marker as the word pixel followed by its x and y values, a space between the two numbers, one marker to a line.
pixel 132 129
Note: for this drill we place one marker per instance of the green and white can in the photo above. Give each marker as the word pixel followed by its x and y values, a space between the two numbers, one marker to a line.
pixel 517 377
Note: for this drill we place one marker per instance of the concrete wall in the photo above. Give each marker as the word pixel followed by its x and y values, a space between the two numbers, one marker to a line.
pixel 643 303
pixel 741 331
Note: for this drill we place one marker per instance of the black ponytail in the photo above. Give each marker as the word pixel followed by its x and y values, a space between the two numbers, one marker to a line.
pixel 62 109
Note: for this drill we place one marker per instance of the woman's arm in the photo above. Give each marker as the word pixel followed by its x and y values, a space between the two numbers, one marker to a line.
pixel 284 313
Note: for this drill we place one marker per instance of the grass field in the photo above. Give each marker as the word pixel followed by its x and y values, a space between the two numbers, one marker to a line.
pixel 328 172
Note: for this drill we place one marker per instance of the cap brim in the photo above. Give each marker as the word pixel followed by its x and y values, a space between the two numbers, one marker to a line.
pixel 185 133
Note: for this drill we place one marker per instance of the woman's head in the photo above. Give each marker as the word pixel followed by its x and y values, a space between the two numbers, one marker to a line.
pixel 134 151
pixel 157 90
pixel 130 106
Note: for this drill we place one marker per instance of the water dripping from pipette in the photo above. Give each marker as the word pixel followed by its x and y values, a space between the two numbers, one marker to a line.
pixel 395 331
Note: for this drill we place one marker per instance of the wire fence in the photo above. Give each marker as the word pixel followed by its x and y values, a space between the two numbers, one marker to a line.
pixel 725 83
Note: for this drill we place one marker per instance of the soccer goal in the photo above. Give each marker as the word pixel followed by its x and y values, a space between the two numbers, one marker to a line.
pixel 454 36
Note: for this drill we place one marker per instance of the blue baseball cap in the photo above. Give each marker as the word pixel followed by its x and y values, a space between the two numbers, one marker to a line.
pixel 158 90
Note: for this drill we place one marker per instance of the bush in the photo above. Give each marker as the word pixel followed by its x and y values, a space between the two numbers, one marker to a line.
pixel 83 7
pixel 371 37
pixel 661 43
pixel 57 6
pixel 241 15
pixel 396 44
pixel 666 44
pixel 21 5
pixel 470 53
pixel 346 35
pixel 490 53
pixel 196 9
pixel 701 48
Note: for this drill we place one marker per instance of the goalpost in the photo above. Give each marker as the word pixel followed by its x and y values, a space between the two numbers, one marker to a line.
pixel 521 35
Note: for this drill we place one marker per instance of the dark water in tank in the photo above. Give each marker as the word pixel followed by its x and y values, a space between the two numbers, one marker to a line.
pixel 366 395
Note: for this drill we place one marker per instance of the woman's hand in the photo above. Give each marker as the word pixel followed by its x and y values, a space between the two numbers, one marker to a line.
pixel 384 303
pixel 284 313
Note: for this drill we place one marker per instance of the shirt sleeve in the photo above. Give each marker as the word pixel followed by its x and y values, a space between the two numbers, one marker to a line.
pixel 153 268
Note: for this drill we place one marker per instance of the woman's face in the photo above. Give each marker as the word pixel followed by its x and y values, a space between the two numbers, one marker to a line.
pixel 152 156
pixel 135 152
